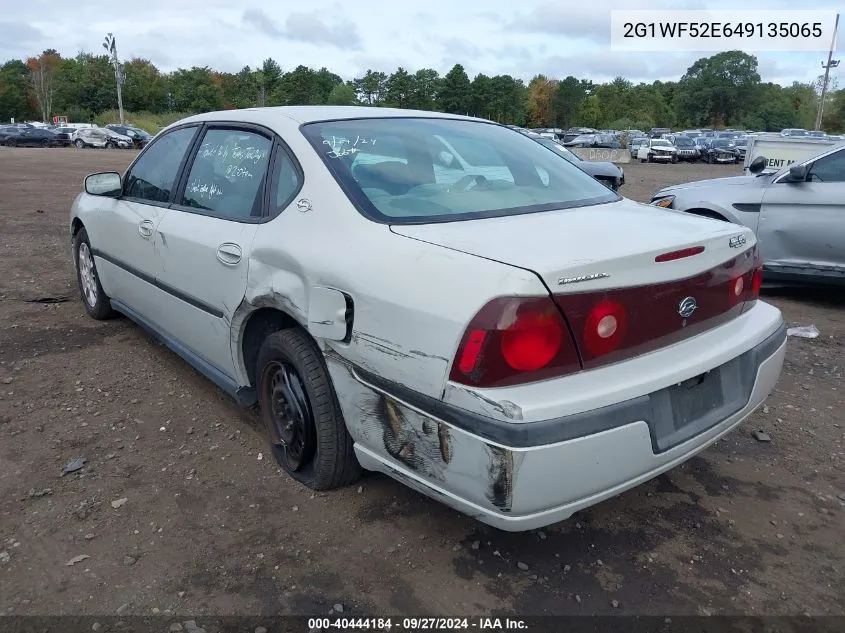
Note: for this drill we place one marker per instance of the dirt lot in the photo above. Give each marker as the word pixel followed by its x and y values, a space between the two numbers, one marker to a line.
pixel 208 527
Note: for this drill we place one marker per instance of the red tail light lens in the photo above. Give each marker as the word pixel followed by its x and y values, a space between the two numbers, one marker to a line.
pixel 514 340
pixel 533 340
pixel 757 278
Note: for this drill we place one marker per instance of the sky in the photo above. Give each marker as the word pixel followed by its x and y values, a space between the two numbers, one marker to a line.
pixel 522 39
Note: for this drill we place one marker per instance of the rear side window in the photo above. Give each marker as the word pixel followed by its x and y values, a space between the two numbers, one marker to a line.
pixel 228 174
pixel 152 177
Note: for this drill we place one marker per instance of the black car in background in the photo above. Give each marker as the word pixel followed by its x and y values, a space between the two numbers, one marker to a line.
pixel 720 150
pixel 605 172
pixel 139 137
pixel 687 149
pixel 32 137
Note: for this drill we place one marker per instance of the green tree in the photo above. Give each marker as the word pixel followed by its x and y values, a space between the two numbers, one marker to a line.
pixel 194 90
pixel 342 94
pixel 716 90
pixel 145 88
pixel 567 101
pixel 13 91
pixel 425 89
pixel 455 91
pixel 371 87
pixel 398 89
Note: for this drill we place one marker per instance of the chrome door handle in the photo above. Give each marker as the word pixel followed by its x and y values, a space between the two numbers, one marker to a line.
pixel 145 228
pixel 229 253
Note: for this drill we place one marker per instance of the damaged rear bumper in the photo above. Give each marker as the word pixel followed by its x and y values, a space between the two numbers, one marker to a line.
pixel 522 476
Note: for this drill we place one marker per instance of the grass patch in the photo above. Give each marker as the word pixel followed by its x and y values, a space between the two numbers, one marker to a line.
pixel 148 121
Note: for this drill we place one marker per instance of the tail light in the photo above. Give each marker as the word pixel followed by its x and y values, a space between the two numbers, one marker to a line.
pixel 515 340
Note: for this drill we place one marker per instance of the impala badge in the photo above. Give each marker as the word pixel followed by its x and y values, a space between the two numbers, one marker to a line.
pixel 687 307
pixel 737 241
pixel 574 280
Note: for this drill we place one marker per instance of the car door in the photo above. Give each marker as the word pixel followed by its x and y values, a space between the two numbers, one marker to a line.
pixel 122 230
pixel 802 224
pixel 205 240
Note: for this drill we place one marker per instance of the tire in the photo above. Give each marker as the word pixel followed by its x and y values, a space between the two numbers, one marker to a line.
pixel 45 144
pixel 79 143
pixel 674 160
pixel 301 412
pixel 97 303
pixel 11 142
pixel 110 145
pixel 650 158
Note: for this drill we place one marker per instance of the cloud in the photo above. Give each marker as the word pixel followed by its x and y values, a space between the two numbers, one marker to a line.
pixel 306 27
pixel 587 21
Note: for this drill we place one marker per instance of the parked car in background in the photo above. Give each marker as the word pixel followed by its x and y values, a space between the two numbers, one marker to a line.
pixel 658 132
pixel 634 145
pixel 100 137
pixel 605 172
pixel 741 145
pixel 64 135
pixel 139 136
pixel 720 150
pixel 32 137
pixel 796 213
pixel 582 140
pixel 687 150
pixel 693 134
pixel 657 149
pixel 500 364
pixel 794 131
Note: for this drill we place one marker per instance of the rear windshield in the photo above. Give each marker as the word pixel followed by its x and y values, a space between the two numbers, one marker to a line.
pixel 421 170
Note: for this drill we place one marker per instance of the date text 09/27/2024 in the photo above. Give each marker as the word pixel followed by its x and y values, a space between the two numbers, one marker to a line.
pixel 415 624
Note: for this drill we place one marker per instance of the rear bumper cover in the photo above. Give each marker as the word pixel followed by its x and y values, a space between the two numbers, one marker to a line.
pixel 522 476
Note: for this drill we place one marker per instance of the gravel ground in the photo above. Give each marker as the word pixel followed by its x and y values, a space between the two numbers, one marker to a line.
pixel 175 511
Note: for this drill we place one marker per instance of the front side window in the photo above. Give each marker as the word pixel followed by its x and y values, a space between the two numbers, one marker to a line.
pixel 152 177
pixel 417 170
pixel 831 168
pixel 228 174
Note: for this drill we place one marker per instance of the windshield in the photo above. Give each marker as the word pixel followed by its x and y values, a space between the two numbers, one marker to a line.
pixel 418 170
pixel 683 141
pixel 660 143
pixel 722 142
pixel 741 142
pixel 560 149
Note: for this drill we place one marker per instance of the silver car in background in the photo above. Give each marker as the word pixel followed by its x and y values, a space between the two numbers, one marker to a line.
pixel 796 212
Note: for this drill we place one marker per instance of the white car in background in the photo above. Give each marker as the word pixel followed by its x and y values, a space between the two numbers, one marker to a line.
pixel 657 149
pixel 100 137
pixel 502 333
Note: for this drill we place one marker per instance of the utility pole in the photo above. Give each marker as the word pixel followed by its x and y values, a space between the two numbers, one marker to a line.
pixel 831 63
pixel 110 45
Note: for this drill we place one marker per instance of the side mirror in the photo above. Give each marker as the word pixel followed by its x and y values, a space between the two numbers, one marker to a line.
pixel 107 183
pixel 758 164
pixel 798 173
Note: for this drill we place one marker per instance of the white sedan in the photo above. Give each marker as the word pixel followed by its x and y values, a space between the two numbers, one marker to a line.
pixel 435 297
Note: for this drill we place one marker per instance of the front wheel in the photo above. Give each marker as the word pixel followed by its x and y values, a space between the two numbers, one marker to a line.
pixel 45 143
pixel 10 142
pixel 301 412
pixel 110 145
pixel 97 304
pixel 79 143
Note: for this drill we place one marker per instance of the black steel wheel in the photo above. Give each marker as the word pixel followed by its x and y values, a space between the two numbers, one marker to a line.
pixel 300 410
pixel 289 421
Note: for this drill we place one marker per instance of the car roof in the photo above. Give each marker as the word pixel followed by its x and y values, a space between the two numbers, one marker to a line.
pixel 311 114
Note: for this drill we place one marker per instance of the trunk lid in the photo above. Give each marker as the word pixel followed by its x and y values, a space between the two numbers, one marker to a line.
pixel 627 278
pixel 614 244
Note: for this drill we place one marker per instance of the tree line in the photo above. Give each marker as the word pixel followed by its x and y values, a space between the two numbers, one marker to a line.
pixel 721 90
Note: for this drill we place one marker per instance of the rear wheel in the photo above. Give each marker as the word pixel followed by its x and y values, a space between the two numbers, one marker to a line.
pixel 10 142
pixel 301 413
pixel 45 143
pixel 110 145
pixel 97 304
